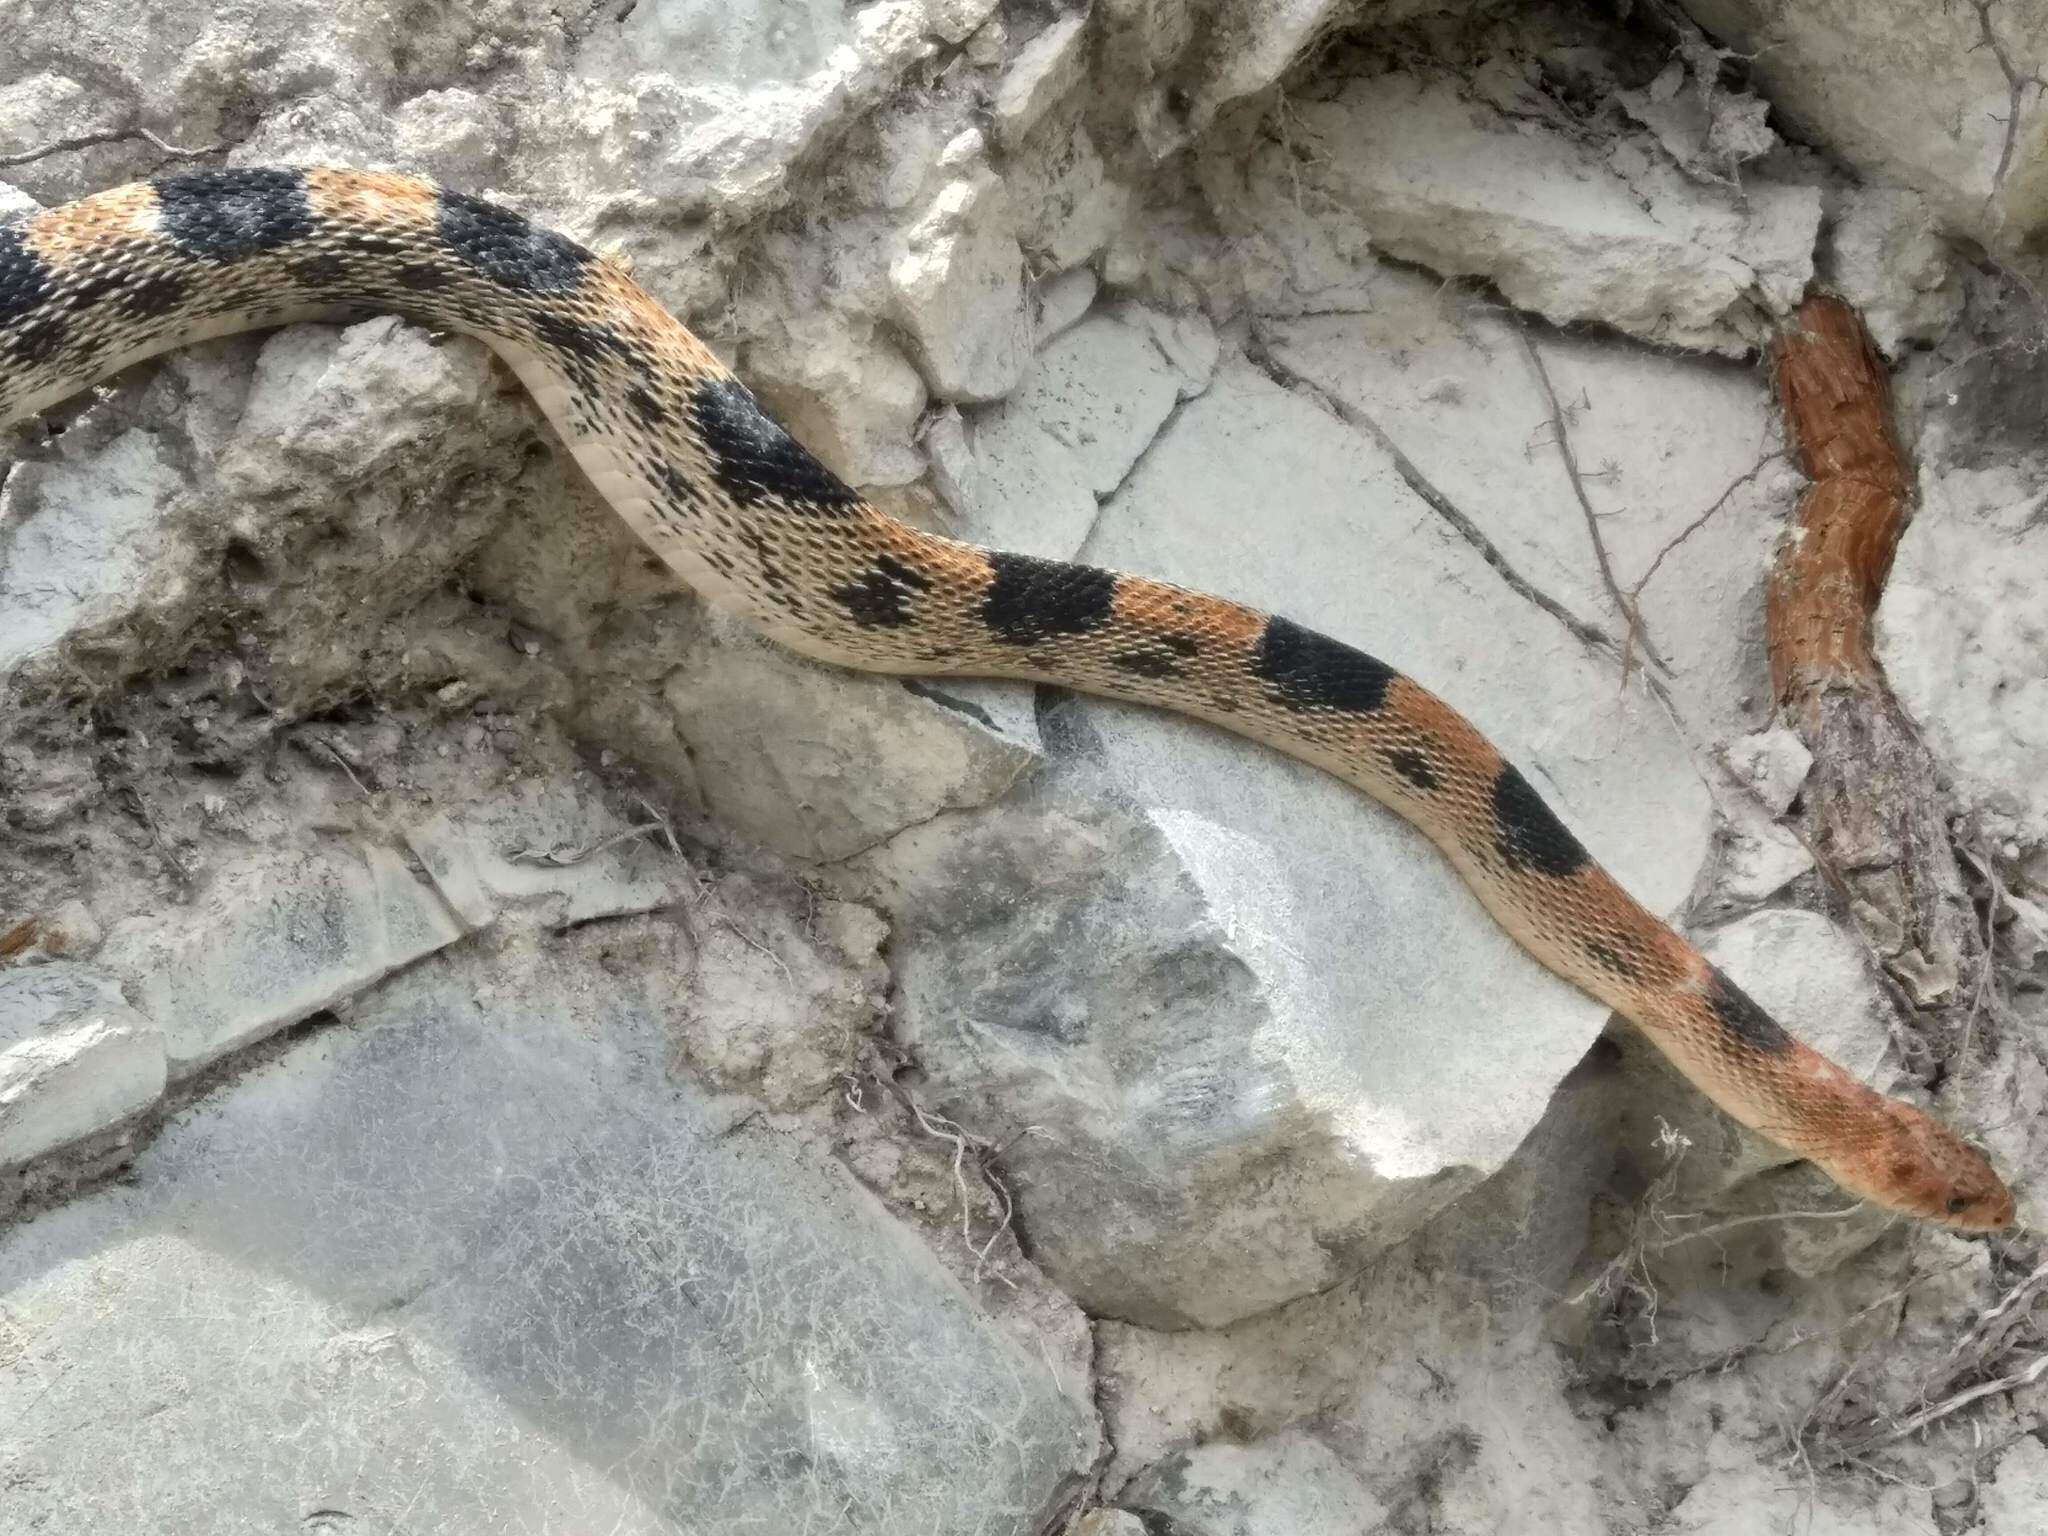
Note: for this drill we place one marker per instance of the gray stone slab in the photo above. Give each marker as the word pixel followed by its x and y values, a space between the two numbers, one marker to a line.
pixel 457 1270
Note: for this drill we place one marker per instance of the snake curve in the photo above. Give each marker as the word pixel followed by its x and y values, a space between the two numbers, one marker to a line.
pixel 681 450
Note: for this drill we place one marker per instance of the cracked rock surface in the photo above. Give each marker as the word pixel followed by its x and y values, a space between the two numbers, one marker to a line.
pixel 488 1043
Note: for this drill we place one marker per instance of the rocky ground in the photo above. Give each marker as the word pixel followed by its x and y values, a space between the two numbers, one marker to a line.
pixel 487 1044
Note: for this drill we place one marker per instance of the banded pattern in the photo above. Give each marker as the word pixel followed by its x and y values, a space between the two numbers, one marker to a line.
pixel 684 453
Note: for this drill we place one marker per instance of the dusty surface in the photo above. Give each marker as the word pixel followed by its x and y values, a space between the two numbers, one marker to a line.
pixel 487 1043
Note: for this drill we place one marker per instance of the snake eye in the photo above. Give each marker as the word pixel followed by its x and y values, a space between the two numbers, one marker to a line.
pixel 1957 1204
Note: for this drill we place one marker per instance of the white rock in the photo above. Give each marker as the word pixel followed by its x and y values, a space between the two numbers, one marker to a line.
pixel 74 1058
pixel 420 1267
pixel 1044 70
pixel 1285 1485
pixel 15 203
pixel 544 846
pixel 2015 1501
pixel 1906 95
pixel 1773 763
pixel 1761 859
pixel 1068 207
pixel 958 290
pixel 846 395
pixel 1059 301
pixel 1216 992
pixel 1962 628
pixel 1188 339
pixel 271 940
pixel 1109 1522
pixel 1027 473
pixel 1707 130
pixel 821 763
pixel 1562 228
pixel 81 541
pixel 955 20
pixel 1887 257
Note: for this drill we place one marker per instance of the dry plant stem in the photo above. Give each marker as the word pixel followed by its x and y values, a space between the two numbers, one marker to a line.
pixel 1876 806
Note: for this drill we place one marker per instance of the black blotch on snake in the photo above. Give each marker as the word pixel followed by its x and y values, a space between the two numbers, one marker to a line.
pixel 506 248
pixel 1031 598
pixel 227 215
pixel 754 460
pixel 1528 833
pixel 876 598
pixel 25 279
pixel 1743 1017
pixel 1413 767
pixel 1304 670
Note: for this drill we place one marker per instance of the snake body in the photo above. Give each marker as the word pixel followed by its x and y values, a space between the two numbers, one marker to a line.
pixel 682 452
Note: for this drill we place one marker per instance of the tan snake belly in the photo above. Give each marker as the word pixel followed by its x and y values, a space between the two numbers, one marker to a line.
pixel 682 451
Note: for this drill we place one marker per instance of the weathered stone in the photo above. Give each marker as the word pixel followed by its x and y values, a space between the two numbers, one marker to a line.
pixel 1289 1485
pixel 1213 989
pixel 433 1268
pixel 1561 227
pixel 958 290
pixel 270 941
pixel 75 1059
pixel 823 764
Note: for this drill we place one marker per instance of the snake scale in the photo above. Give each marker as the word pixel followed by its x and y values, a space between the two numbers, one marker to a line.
pixel 686 456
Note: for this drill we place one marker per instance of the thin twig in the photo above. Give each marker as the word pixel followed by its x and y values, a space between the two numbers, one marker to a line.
pixel 110 136
pixel 1636 591
pixel 2032 1372
pixel 1586 633
pixel 2015 89
pixel 1630 610
pixel 564 857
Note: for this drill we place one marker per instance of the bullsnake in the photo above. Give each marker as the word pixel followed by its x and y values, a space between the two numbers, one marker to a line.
pixel 682 451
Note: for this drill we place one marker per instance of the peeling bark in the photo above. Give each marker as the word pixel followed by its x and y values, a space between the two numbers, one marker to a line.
pixel 1876 804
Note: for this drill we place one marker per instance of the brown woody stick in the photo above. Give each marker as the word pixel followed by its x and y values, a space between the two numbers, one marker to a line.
pixel 1818 606
pixel 1876 804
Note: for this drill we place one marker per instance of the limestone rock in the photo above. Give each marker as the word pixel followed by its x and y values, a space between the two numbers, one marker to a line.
pixel 1288 1485
pixel 1214 987
pixel 822 764
pixel 1961 631
pixel 1773 763
pixel 851 399
pixel 428 1269
pixel 271 940
pixel 1044 70
pixel 74 1058
pixel 1888 259
pixel 1027 473
pixel 1559 226
pixel 1908 97
pixel 958 288
pixel 82 540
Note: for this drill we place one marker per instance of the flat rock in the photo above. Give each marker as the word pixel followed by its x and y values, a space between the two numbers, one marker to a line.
pixel 1962 628
pixel 79 537
pixel 74 1058
pixel 1908 96
pixel 1564 228
pixel 1199 965
pixel 545 847
pixel 437 1269
pixel 272 940
pixel 1287 1485
pixel 823 764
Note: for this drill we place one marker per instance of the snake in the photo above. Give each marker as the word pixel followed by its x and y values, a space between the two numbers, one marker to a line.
pixel 685 454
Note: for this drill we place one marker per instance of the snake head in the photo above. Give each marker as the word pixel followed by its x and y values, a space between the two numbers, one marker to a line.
pixel 1923 1168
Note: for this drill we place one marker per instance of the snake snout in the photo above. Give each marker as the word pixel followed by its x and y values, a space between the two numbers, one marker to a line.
pixel 1933 1172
